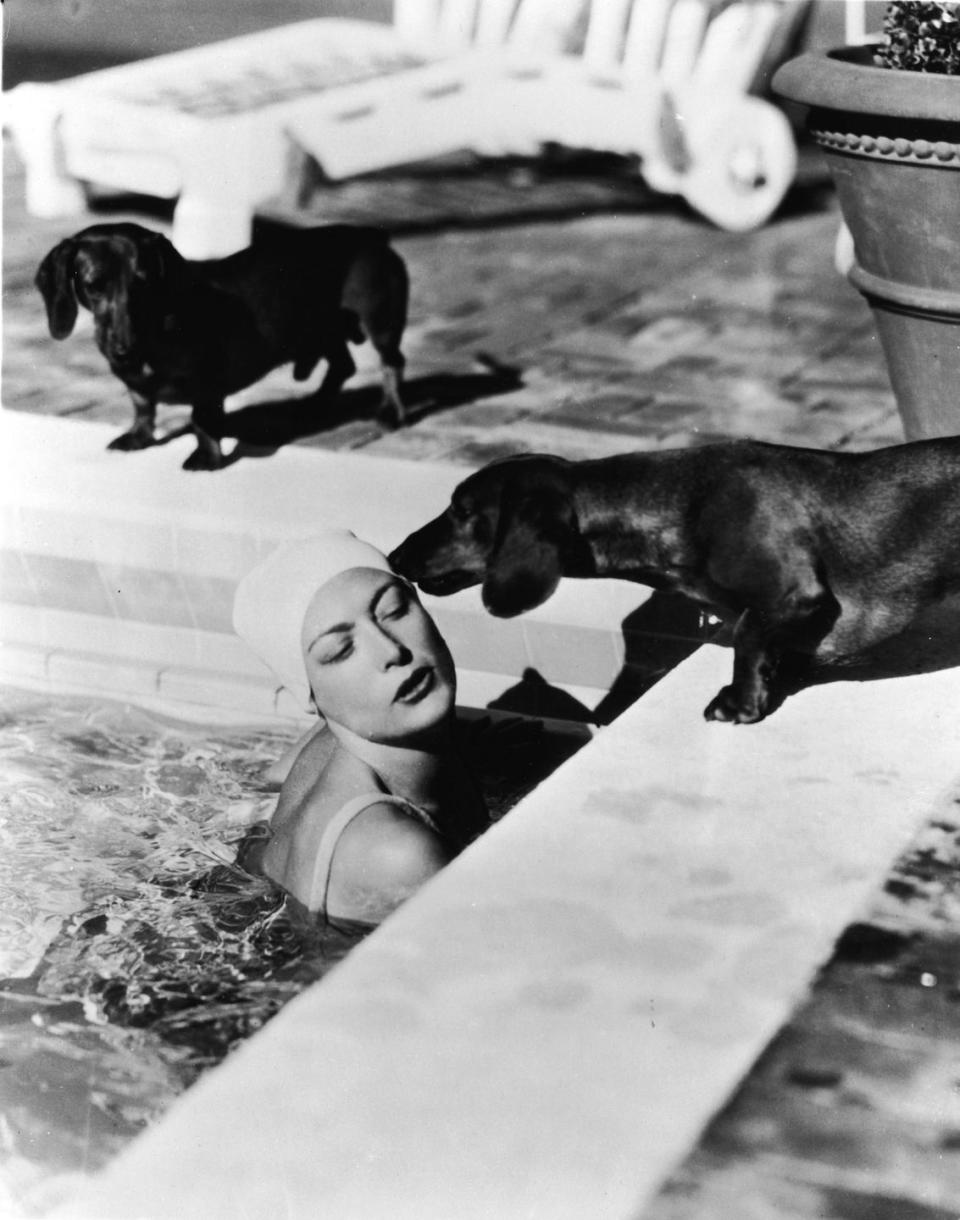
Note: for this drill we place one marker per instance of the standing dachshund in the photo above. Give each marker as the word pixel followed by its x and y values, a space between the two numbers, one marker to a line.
pixel 178 331
pixel 816 557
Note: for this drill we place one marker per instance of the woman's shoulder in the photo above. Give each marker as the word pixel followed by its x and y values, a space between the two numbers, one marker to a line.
pixel 359 857
pixel 382 858
pixel 306 806
pixel 391 828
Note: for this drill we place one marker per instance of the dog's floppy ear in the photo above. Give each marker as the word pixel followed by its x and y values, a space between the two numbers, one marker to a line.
pixel 54 279
pixel 525 564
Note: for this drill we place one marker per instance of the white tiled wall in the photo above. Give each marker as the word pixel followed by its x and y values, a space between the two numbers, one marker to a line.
pixel 129 557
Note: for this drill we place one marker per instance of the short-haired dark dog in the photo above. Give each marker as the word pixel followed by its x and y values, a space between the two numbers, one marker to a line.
pixel 180 331
pixel 814 556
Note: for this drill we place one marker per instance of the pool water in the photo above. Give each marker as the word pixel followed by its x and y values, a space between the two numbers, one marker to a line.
pixel 134 953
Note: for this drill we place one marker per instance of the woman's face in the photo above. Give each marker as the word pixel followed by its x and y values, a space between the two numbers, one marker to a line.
pixel 375 660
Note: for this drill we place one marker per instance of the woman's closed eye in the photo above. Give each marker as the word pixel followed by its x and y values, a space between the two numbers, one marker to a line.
pixel 336 648
pixel 393 604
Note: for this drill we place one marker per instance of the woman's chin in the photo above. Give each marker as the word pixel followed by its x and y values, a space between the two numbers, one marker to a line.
pixel 431 713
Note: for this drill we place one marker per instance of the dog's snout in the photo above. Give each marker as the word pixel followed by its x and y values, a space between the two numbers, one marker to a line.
pixel 118 341
pixel 409 557
pixel 435 561
pixel 399 559
pixel 122 357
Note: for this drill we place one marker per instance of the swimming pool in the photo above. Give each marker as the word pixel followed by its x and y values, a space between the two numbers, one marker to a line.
pixel 134 954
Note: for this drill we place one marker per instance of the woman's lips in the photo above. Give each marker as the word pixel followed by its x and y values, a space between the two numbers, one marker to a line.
pixel 420 683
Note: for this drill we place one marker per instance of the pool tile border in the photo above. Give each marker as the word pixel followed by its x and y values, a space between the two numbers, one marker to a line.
pixel 129 556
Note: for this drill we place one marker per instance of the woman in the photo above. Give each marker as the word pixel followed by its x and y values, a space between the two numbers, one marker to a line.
pixel 376 800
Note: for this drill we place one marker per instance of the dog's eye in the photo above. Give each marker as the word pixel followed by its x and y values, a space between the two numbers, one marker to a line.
pixel 480 528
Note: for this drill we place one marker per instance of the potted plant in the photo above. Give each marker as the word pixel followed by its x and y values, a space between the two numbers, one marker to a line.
pixel 887 118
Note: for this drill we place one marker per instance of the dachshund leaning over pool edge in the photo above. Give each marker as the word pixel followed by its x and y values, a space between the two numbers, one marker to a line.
pixel 813 556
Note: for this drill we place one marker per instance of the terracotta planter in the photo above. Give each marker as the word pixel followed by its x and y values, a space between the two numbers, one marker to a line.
pixel 892 142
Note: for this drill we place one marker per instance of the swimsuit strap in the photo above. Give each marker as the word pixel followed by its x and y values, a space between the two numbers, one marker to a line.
pixel 335 828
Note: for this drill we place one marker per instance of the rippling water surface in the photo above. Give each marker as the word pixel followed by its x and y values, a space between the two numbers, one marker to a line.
pixel 134 953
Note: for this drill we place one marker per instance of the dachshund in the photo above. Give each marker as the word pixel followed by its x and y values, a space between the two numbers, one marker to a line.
pixel 181 331
pixel 812 557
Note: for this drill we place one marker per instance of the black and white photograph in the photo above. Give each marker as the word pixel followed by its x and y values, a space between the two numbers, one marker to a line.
pixel 480 610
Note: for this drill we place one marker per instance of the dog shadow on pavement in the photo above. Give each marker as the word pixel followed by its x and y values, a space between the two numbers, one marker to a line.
pixel 262 428
pixel 658 635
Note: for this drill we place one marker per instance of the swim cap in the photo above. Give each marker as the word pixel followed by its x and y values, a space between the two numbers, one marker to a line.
pixel 272 599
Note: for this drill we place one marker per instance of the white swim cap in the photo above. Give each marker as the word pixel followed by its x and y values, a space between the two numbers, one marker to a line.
pixel 272 599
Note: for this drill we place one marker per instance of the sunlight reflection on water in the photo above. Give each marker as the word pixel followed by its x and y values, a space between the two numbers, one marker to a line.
pixel 134 954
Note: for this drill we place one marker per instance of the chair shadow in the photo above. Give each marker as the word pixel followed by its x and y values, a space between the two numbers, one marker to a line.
pixel 465 190
pixel 486 193
pixel 262 428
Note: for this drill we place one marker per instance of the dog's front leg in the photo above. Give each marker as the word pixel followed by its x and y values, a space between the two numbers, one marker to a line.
pixel 208 419
pixel 340 368
pixel 141 435
pixel 763 640
pixel 392 412
pixel 747 698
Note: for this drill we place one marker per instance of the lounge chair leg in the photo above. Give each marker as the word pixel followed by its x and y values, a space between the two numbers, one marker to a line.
pixel 34 116
pixel 207 226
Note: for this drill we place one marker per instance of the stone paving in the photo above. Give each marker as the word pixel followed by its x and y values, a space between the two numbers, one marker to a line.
pixel 605 320
pixel 853 1111
pixel 609 320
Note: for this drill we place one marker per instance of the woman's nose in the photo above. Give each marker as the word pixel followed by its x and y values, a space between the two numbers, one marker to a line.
pixel 392 651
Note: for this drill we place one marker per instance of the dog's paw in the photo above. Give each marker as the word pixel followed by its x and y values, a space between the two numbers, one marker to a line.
pixel 130 441
pixel 203 459
pixel 389 417
pixel 730 707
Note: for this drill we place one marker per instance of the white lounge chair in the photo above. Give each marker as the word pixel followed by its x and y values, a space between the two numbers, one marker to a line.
pixel 669 81
pixel 665 80
pixel 213 127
